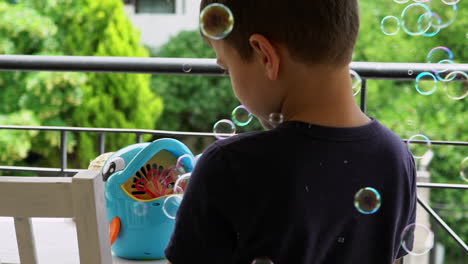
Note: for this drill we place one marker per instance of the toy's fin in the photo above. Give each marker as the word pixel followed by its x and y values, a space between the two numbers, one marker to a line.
pixel 114 229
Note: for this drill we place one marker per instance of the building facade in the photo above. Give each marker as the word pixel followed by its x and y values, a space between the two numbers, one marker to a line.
pixel 159 20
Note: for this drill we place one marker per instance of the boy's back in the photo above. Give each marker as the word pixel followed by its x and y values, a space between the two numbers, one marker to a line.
pixel 288 195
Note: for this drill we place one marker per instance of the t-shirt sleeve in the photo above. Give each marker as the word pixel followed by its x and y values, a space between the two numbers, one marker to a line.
pixel 203 231
pixel 413 204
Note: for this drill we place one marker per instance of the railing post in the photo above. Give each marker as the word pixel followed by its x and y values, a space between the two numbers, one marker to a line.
pixel 444 225
pixel 139 137
pixel 364 95
pixel 63 150
pixel 102 143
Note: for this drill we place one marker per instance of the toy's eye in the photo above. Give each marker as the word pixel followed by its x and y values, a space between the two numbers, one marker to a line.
pixel 170 185
pixel 116 164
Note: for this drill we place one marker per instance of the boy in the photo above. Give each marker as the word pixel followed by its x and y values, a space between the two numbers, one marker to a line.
pixel 287 194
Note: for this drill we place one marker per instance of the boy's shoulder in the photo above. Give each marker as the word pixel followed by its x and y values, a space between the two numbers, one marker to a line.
pixel 244 138
pixel 374 137
pixel 240 142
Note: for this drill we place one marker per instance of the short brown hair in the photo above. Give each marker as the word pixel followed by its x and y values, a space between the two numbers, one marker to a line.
pixel 314 31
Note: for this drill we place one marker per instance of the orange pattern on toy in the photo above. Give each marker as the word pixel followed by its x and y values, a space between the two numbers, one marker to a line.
pixel 155 179
pixel 114 229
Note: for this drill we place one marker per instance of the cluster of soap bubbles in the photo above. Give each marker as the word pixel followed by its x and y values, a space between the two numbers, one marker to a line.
pixel 455 82
pixel 368 201
pixel 241 117
pixel 172 202
pixel 419 19
pixel 226 128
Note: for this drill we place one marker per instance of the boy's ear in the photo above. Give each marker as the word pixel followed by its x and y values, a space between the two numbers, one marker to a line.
pixel 267 54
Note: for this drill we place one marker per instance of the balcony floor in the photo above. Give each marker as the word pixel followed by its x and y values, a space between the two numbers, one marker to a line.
pixel 56 242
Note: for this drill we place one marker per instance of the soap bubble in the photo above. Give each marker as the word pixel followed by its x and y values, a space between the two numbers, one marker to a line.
pixel 426 83
pixel 187 68
pixel 275 119
pixel 414 20
pixel 447 17
pixel 435 20
pixel 417 239
pixel 224 128
pixel 464 169
pixel 367 200
pixel 450 2
pixel 197 157
pixel 456 89
pixel 356 82
pixel 390 25
pixel 140 208
pixel 171 205
pixel 183 164
pixel 216 21
pixel 181 183
pixel 262 261
pixel 418 150
pixel 401 1
pixel 241 116
pixel 438 54
pixel 442 74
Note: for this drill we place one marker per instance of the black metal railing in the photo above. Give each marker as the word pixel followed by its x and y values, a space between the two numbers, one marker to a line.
pixel 367 70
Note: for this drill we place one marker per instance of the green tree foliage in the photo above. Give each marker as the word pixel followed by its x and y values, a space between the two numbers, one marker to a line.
pixel 79 27
pixel 16 145
pixel 32 98
pixel 195 103
pixel 117 100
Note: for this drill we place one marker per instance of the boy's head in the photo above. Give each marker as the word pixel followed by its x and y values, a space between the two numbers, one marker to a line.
pixel 314 31
pixel 272 40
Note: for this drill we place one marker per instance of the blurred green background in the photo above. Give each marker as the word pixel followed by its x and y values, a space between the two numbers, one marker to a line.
pixel 195 103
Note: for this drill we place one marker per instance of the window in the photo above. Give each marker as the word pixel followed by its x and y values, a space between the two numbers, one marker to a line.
pixel 156 6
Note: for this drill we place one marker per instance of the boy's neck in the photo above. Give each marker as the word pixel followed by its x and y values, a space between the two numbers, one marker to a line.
pixel 322 96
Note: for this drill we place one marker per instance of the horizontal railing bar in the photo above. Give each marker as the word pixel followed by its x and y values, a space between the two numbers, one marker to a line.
pixel 368 70
pixel 442 185
pixel 169 133
pixel 439 142
pixel 110 64
pixel 108 130
pixel 38 169
pixel 400 71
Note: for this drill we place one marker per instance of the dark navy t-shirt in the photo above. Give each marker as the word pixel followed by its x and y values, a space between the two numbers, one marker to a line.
pixel 288 195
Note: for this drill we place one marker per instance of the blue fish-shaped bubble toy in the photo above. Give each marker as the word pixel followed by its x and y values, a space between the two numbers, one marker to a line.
pixel 138 179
